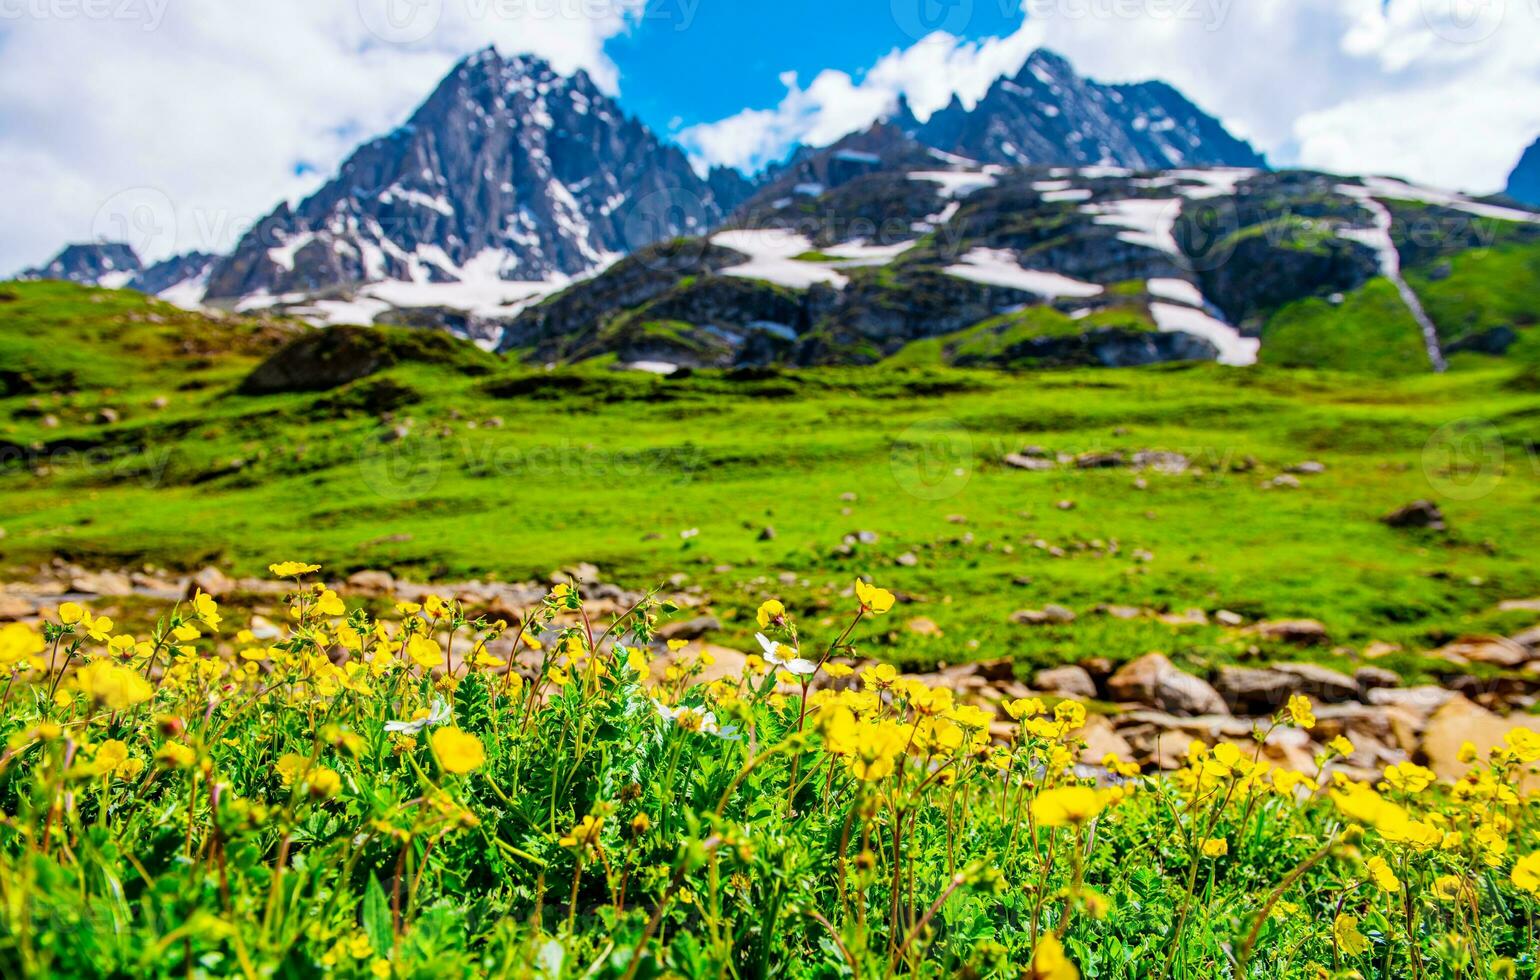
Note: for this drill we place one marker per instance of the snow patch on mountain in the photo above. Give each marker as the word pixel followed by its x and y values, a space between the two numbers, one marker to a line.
pixel 1150 221
pixel 1233 349
pixel 1000 267
pixel 771 257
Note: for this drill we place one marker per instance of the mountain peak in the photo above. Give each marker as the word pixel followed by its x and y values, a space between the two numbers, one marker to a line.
pixel 1524 182
pixel 1047 114
pixel 509 170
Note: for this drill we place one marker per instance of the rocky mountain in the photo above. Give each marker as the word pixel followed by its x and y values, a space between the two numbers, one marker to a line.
pixel 111 264
pixel 509 171
pixel 1524 182
pixel 1049 115
pixel 880 249
pixel 115 265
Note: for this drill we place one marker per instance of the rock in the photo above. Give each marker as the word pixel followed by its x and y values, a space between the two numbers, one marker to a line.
pixel 1121 612
pixel 1519 605
pixel 727 662
pixel 1156 681
pixel 1099 668
pixel 908 559
pixel 107 416
pixel 1098 461
pixel 1284 481
pixel 1321 684
pixel 1253 690
pixel 1050 614
pixel 1298 632
pixel 1420 702
pixel 1382 733
pixel 160 402
pixel 372 583
pixel 211 581
pixel 956 518
pixel 1187 617
pixel 583 573
pixel 1031 463
pixel 1379 648
pixel 922 626
pixel 102 583
pixel 1374 678
pixel 1494 650
pixel 1102 740
pixel 690 629
pixel 1460 720
pixel 1161 462
pixel 395 433
pixel 1529 639
pixel 1308 468
pixel 145 582
pixel 50 421
pixel 767 533
pixel 13 607
pixel 1069 680
pixel 848 497
pixel 1225 617
pixel 1417 514
pixel 1065 505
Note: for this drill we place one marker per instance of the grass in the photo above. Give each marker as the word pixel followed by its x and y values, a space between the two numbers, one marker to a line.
pixel 647 477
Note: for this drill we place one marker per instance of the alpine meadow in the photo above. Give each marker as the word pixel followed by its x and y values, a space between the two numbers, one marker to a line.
pixel 1040 500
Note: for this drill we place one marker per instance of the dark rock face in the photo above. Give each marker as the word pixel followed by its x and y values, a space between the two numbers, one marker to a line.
pixel 1524 182
pixel 175 271
pixel 325 359
pixel 1048 114
pixel 509 166
pixel 1423 514
pixel 91 264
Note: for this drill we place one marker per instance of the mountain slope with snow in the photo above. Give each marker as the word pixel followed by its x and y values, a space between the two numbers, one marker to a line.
pixel 509 171
pixel 1524 182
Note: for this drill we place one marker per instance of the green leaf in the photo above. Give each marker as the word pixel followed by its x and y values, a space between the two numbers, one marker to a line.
pixel 378 925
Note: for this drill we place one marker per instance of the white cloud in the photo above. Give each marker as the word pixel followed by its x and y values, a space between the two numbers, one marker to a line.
pixel 1442 91
pixel 191 116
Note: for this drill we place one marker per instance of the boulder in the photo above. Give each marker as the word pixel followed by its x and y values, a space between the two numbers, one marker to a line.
pixel 923 626
pixel 1099 461
pixel 102 583
pixel 1460 720
pixel 1069 680
pixel 1372 678
pixel 372 583
pixel 14 607
pixel 1298 632
pixel 1253 690
pixel 1419 702
pixel 1156 681
pixel 211 581
pixel 1320 683
pixel 1496 651
pixel 1102 740
pixel 1417 514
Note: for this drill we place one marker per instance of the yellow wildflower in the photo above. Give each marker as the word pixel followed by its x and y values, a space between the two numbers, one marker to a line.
pixel 1049 961
pixel 1526 873
pixel 873 599
pixel 457 751
pixel 1381 874
pixel 769 612
pixel 1349 939
pixel 114 688
pixel 1300 710
pixel 292 569
pixel 1215 847
pixel 1066 805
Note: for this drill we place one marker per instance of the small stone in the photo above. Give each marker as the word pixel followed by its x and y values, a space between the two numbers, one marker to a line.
pixel 908 559
pixel 1494 650
pixel 1030 463
pixel 690 629
pixel 1098 461
pixel 1298 632
pixel 767 533
pixel 50 422
pixel 1225 617
pixel 102 583
pixel 107 416
pixel 160 402
pixel 848 497
pixel 1284 481
pixel 1424 514
pixel 956 519
pixel 14 607
pixel 1065 505
pixel 922 626
pixel 1374 678
pixel 1308 468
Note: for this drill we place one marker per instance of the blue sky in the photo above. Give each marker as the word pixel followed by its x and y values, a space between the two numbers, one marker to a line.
pixel 193 119
pixel 701 65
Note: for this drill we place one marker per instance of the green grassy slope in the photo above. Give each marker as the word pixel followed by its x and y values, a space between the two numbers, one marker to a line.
pixel 514 473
